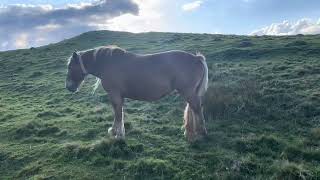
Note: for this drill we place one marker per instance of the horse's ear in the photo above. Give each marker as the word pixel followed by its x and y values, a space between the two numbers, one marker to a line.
pixel 75 54
pixel 75 57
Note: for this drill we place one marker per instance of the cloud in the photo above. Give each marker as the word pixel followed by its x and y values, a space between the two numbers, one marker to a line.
pixel 48 27
pixel 151 18
pixel 302 26
pixel 24 25
pixel 21 41
pixel 4 44
pixel 192 6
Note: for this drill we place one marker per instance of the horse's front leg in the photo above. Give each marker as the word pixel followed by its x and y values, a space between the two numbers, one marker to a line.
pixel 117 130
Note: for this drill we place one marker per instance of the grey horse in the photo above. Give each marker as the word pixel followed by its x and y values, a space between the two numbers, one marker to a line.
pixel 146 77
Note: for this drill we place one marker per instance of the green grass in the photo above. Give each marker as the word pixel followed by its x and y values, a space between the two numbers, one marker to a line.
pixel 262 110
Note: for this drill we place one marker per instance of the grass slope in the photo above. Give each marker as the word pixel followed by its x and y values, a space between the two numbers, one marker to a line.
pixel 262 109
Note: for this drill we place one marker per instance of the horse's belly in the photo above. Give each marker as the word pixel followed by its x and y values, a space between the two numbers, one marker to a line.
pixel 148 91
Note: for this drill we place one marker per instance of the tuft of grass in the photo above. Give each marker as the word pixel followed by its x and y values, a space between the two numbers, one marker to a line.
pixel 29 171
pixel 245 43
pixel 36 74
pixel 113 148
pixel 100 152
pixel 227 100
pixel 33 128
pixel 267 146
pixel 48 114
pixel 297 43
pixel 290 171
pixel 315 133
pixel 75 151
pixel 152 168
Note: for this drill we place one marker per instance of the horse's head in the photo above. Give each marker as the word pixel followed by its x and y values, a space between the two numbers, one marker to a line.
pixel 75 73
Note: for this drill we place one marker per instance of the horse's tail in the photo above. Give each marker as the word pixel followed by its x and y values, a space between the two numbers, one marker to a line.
pixel 192 119
pixel 203 84
pixel 189 123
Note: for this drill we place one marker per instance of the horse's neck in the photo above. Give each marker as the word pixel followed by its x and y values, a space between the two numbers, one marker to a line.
pixel 89 61
pixel 95 65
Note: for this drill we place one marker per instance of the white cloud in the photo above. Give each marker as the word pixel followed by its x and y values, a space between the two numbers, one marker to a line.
pixel 25 25
pixel 192 6
pixel 4 44
pixel 151 18
pixel 21 41
pixel 302 26
pixel 48 27
pixel 79 5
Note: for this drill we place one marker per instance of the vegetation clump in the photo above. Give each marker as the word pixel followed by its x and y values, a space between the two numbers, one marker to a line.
pixel 288 171
pixel 106 148
pixel 152 169
pixel 35 129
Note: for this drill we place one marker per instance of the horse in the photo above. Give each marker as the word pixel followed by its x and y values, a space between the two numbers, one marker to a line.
pixel 144 77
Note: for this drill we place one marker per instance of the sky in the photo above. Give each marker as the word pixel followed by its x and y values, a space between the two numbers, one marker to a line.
pixel 32 23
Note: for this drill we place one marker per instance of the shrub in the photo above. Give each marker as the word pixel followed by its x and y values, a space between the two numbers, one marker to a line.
pixel 225 100
pixel 217 100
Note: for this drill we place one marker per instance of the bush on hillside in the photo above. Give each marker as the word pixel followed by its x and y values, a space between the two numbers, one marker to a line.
pixel 224 100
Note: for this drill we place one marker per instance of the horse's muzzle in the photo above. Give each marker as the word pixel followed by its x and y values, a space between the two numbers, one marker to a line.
pixel 71 86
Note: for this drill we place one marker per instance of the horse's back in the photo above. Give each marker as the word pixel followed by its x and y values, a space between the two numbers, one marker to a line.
pixel 183 67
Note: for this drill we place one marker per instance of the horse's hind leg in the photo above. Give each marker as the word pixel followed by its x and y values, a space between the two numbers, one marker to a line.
pixel 194 122
pixel 117 130
pixel 195 104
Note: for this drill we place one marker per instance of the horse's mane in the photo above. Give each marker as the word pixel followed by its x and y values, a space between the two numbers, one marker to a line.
pixel 111 49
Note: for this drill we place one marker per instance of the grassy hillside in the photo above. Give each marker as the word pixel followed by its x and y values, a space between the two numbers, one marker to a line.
pixel 262 109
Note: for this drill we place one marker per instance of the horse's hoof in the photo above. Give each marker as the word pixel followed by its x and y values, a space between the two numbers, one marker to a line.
pixel 112 132
pixel 189 136
pixel 119 137
pixel 195 137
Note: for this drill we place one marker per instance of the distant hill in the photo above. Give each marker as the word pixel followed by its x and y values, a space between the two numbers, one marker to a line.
pixel 262 110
